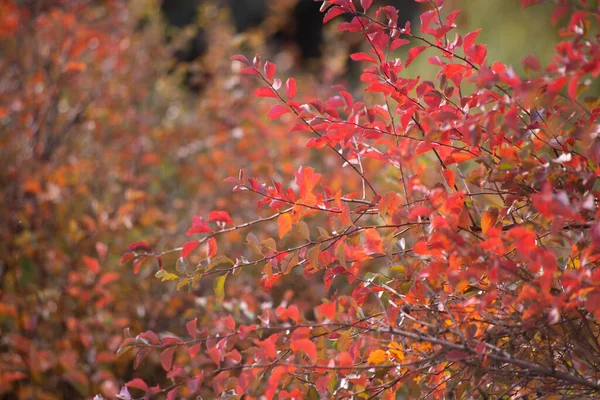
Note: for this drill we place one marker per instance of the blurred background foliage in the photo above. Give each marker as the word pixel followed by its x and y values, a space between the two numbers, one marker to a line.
pixel 111 132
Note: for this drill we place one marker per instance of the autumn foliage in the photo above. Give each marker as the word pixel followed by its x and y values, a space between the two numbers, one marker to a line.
pixel 415 239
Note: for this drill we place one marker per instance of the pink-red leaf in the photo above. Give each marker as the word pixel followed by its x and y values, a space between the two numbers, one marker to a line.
pixel 241 58
pixel 290 87
pixel 277 111
pixel 191 327
pixel 166 358
pixel 137 383
pixel 269 69
pixel 332 13
pixel 363 57
pixel 366 4
pixel 265 92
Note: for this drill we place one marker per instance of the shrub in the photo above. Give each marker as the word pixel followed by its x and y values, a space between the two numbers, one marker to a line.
pixel 452 246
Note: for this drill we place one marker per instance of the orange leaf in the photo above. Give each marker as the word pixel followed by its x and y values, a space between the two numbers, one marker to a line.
pixel 458 157
pixel 73 66
pixel 305 345
pixel 377 357
pixel 449 176
pixel 285 224
pixel 488 219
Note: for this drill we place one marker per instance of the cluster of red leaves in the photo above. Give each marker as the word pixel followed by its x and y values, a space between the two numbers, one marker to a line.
pixel 457 238
pixel 94 154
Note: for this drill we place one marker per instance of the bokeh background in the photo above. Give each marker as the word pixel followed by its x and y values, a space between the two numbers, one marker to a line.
pixel 119 121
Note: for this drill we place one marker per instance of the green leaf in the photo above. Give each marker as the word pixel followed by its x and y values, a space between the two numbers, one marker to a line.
pixel 183 282
pixel 254 244
pixel 166 276
pixel 220 287
pixel 302 227
pixel 219 261
pixel 340 253
pixel 182 266
pixel 289 262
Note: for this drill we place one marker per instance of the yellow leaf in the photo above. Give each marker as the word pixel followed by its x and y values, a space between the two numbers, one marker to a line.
pixel 377 357
pixel 220 287
pixel 488 219
pixel 166 276
pixel 397 351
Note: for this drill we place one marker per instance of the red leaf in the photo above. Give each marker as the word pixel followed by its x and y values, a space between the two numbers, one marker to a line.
pixel 265 92
pixel 245 330
pixel 191 327
pixel 452 17
pixel 229 322
pixel 305 345
pixel 290 87
pixel 220 216
pixel 556 85
pixel 572 88
pixel 137 383
pixel 212 247
pixel 92 264
pixel 268 345
pixel 413 53
pixel 332 13
pixel 240 58
pixel 345 359
pixel 108 278
pixel 363 57
pixel 366 4
pixel 531 62
pixel 449 176
pixel 188 248
pixel 477 53
pixel 524 239
pixel 419 211
pixel 166 358
pixel 139 246
pixel 277 111
pixel 194 350
pixel 215 355
pixel 469 39
pixel 199 225
pixel 327 310
pixel 267 282
pixel 293 313
pixel 249 71
pixel 456 355
pixel 126 258
pixel 398 42
pixel 269 69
